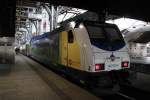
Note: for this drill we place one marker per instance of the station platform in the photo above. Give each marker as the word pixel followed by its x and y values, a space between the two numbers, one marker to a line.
pixel 140 64
pixel 28 80
pixel 142 60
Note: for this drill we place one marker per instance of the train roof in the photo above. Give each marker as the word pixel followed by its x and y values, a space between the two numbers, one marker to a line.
pixel 39 37
pixel 46 34
pixel 87 17
pixel 139 35
pixel 98 23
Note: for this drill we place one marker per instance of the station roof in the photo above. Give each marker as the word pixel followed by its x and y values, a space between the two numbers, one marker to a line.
pixel 136 9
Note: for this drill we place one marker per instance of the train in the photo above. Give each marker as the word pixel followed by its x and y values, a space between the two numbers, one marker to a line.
pixel 137 34
pixel 137 39
pixel 90 51
pixel 139 50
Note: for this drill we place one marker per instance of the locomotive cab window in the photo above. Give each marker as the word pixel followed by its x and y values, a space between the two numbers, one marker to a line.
pixel 105 36
pixel 70 36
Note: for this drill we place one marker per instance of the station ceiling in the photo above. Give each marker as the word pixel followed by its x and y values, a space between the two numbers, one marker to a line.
pixel 136 9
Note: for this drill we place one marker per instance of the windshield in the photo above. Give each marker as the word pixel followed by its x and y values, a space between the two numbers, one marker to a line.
pixel 105 36
pixel 96 33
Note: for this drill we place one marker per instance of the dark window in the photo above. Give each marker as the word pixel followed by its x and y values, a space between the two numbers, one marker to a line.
pixel 113 34
pixel 2 44
pixel 96 33
pixel 104 34
pixel 70 36
pixel 9 44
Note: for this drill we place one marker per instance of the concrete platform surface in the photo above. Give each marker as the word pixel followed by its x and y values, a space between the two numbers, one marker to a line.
pixel 141 60
pixel 28 80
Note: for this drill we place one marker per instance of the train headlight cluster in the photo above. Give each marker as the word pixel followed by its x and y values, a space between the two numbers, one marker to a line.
pixel 125 64
pixel 81 26
pixel 72 24
pixel 99 67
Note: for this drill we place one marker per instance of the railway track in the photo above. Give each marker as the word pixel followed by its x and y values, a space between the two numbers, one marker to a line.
pixel 124 96
pixel 128 93
pixel 117 96
pixel 134 92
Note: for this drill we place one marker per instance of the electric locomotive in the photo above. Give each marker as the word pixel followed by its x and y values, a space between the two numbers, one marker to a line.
pixel 90 51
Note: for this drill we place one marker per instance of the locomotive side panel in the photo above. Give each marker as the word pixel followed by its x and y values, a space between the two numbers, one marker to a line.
pixel 69 50
pixel 63 48
pixel 54 48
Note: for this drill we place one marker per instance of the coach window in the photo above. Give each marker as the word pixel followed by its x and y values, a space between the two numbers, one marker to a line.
pixel 70 36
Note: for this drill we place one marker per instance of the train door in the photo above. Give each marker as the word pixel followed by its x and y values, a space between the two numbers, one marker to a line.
pixel 73 51
pixel 64 48
pixel 70 55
